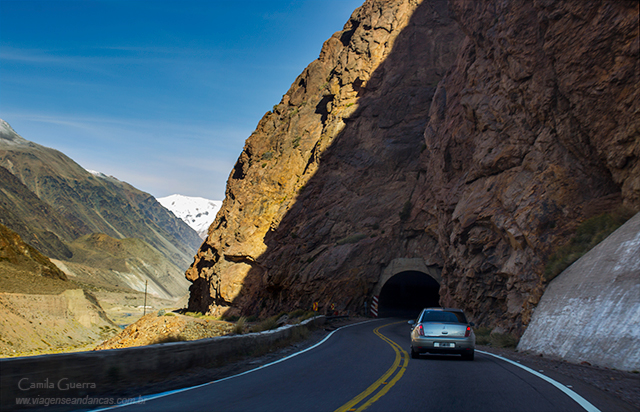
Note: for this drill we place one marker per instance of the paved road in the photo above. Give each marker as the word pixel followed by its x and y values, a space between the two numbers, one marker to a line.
pixel 366 366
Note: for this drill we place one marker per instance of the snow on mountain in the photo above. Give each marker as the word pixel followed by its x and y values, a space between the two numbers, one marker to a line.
pixel 103 176
pixel 96 173
pixel 9 136
pixel 197 212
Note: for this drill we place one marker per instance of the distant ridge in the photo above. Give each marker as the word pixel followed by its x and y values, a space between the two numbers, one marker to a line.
pixel 95 203
pixel 58 207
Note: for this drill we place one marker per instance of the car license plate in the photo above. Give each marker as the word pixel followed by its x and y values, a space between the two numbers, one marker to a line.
pixel 444 345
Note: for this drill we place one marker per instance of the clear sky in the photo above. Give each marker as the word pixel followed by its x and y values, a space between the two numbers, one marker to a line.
pixel 160 94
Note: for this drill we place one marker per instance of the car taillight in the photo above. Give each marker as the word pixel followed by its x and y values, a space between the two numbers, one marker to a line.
pixel 420 330
pixel 468 332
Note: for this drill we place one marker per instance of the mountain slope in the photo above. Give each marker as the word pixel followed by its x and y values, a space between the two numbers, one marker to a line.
pixel 102 260
pixel 40 309
pixel 83 257
pixel 99 230
pixel 22 266
pixel 36 222
pixel 197 212
pixel 94 204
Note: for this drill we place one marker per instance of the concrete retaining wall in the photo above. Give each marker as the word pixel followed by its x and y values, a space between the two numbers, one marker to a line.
pixel 102 372
pixel 591 311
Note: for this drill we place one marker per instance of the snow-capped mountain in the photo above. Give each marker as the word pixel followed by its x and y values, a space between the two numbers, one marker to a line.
pixel 197 212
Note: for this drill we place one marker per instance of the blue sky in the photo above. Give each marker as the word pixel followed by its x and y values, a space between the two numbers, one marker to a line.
pixel 160 94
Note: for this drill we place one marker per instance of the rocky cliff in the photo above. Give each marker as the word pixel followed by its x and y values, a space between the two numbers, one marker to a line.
pixel 471 136
pixel 535 130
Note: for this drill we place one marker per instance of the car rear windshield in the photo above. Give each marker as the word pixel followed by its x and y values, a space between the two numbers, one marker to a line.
pixel 442 316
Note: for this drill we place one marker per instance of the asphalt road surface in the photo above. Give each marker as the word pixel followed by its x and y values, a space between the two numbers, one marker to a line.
pixel 366 366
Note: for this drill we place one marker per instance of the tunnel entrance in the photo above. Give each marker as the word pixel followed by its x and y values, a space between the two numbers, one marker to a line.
pixel 405 294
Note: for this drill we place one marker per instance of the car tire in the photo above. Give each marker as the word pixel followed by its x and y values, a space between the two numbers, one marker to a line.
pixel 468 356
pixel 414 355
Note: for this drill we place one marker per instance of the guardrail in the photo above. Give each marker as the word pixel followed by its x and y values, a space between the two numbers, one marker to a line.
pixel 79 375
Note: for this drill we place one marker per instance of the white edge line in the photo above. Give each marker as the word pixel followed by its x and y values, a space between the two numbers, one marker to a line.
pixel 586 405
pixel 143 399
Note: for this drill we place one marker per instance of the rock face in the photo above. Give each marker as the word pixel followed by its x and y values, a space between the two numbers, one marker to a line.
pixel 536 131
pixel 327 165
pixel 472 136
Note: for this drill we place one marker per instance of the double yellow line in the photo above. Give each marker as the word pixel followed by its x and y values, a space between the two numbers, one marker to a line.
pixel 380 387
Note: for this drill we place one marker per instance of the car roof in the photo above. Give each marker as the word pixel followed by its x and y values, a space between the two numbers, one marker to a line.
pixel 443 309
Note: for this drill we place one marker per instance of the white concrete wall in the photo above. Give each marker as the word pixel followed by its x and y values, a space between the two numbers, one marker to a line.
pixel 591 311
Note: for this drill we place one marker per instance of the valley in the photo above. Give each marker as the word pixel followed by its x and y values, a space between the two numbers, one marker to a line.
pixel 47 308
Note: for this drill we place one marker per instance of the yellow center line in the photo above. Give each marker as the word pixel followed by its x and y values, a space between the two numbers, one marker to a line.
pixel 395 372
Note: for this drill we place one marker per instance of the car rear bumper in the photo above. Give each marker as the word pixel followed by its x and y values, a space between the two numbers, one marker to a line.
pixel 434 345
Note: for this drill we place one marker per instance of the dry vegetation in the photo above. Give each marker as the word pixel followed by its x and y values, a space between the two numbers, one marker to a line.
pixel 163 327
pixel 588 234
pixel 496 340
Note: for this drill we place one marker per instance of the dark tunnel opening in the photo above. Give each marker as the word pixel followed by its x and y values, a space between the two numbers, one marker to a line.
pixel 407 293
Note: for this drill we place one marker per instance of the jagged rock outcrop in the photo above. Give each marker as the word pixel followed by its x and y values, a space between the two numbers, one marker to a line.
pixel 375 154
pixel 329 163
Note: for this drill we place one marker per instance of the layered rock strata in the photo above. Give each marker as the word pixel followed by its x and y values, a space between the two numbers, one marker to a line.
pixel 476 145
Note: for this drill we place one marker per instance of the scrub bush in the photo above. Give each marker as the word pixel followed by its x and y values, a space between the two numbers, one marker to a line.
pixel 588 234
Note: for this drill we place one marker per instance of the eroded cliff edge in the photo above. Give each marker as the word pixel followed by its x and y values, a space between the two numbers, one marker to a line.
pixel 471 136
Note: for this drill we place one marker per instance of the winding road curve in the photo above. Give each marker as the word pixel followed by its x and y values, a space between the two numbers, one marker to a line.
pixel 366 366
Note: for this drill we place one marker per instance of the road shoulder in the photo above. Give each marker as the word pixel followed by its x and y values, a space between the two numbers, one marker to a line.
pixel 608 389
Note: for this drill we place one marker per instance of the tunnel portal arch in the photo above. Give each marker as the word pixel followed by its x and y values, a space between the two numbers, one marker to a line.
pixel 406 287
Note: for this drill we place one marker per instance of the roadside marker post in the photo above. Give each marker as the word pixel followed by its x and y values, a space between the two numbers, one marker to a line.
pixel 374 306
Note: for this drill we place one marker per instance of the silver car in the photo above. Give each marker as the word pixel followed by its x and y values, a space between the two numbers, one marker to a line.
pixel 442 330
